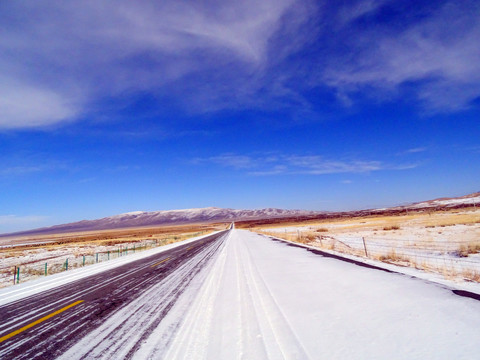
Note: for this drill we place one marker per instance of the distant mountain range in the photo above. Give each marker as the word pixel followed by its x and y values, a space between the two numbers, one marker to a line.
pixel 168 217
pixel 213 214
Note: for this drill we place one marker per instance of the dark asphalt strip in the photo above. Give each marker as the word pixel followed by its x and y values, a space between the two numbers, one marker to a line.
pixel 102 297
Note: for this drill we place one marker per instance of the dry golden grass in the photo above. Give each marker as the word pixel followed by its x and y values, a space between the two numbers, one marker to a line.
pixel 467 216
pixel 106 237
pixel 391 227
pixel 393 257
pixel 396 239
pixel 471 275
pixel 109 237
pixel 472 247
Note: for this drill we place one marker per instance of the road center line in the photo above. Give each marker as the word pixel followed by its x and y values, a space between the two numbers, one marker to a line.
pixel 160 262
pixel 26 327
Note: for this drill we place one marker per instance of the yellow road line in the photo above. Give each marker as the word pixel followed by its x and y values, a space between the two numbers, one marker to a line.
pixel 191 247
pixel 26 327
pixel 160 262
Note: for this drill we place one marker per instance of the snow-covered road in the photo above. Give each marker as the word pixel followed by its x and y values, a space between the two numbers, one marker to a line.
pixel 256 298
pixel 267 300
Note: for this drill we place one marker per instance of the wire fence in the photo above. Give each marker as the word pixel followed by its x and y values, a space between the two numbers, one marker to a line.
pixel 47 266
pixel 452 259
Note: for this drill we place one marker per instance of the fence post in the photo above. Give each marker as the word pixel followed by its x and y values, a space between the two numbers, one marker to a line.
pixel 96 257
pixel 126 250
pixel 18 274
pixel 108 255
pixel 365 247
pixel 14 274
pixel 66 264
pixel 83 260
pixel 134 248
pixel 45 269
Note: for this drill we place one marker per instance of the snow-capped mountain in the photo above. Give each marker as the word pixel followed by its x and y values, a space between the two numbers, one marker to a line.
pixel 214 214
pixel 170 217
pixel 454 202
pixel 470 199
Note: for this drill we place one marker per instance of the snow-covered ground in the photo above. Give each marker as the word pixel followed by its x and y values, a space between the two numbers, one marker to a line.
pixel 445 243
pixel 264 299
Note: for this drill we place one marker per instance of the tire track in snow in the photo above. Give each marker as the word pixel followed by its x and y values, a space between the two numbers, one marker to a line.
pixel 235 315
pixel 279 339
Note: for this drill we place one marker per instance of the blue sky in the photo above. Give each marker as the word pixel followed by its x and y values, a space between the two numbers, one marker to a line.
pixel 109 107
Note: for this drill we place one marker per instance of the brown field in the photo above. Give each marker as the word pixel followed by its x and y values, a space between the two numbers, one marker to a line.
pixel 103 237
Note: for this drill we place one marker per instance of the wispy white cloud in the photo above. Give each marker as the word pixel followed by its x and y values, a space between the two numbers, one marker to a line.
pixel 274 170
pixel 229 160
pixel 438 54
pixel 318 165
pixel 415 150
pixel 356 10
pixel 25 163
pixel 298 165
pixel 23 105
pixel 20 170
pixel 62 58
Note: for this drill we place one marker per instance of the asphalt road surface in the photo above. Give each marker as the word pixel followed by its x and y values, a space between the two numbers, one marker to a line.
pixel 43 326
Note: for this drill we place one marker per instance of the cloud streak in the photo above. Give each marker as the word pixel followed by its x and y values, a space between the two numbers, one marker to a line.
pixel 62 58
pixel 20 170
pixel 61 62
pixel 299 165
pixel 436 55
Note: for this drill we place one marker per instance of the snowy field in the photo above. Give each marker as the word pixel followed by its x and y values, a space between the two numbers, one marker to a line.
pixel 445 243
